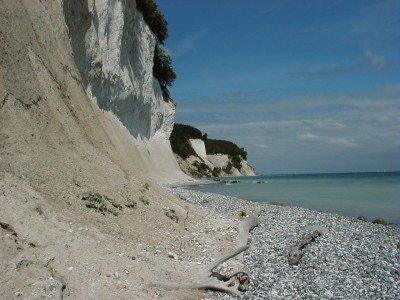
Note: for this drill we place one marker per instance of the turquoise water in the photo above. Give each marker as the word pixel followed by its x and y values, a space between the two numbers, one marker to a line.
pixel 372 195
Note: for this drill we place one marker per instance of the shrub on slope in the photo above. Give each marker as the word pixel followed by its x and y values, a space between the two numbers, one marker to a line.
pixel 180 139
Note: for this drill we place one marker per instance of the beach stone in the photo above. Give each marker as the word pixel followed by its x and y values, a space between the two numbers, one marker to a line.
pixel 18 294
pixel 328 294
pixel 172 255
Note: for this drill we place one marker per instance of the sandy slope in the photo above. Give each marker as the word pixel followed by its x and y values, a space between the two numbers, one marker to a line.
pixel 100 256
pixel 54 144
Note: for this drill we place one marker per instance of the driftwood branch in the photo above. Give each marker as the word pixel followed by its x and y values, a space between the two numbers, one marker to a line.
pixel 244 229
pixel 210 280
pixel 296 252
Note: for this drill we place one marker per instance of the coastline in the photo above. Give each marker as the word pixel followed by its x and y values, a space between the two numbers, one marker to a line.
pixel 351 260
pixel 367 196
pixel 183 184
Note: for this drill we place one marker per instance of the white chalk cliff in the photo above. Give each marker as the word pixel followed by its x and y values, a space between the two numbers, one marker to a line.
pixel 113 49
pixel 199 147
pixel 220 161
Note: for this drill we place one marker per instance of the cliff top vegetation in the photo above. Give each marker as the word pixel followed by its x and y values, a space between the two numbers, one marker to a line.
pixel 162 68
pixel 180 139
pixel 180 143
pixel 224 147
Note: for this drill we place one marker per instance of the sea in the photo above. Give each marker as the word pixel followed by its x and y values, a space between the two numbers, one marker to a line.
pixel 371 195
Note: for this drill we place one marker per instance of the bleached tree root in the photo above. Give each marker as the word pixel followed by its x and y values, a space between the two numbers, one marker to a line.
pixel 296 252
pixel 208 279
pixel 244 229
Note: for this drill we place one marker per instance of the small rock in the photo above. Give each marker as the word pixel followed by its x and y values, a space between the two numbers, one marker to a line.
pixel 70 269
pixel 274 293
pixel 329 294
pixel 172 255
pixel 116 275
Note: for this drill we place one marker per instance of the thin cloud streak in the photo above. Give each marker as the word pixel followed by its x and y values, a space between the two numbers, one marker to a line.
pixel 189 43
pixel 384 102
pixel 308 137
pixel 370 62
pixel 373 62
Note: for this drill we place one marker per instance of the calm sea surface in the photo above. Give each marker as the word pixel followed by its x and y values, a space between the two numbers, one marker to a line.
pixel 372 195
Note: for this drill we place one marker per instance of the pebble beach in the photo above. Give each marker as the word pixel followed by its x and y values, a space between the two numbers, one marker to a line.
pixel 352 259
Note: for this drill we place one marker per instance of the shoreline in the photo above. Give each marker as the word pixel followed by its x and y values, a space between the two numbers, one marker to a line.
pixel 379 218
pixel 186 184
pixel 352 259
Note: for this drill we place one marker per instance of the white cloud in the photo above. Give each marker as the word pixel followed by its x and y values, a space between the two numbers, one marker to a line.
pixel 262 146
pixel 329 126
pixel 373 62
pixel 308 137
pixel 369 62
pixel 189 43
pixel 346 142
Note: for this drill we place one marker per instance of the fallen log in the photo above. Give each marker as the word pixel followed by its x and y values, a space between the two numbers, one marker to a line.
pixel 208 279
pixel 296 252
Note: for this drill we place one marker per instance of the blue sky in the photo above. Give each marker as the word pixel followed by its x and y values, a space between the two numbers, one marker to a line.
pixel 304 86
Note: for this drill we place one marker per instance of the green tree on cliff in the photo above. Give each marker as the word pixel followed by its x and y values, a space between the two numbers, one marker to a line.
pixel 162 68
pixel 163 71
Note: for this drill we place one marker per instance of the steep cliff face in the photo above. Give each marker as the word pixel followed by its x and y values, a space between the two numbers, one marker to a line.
pixel 199 147
pixel 55 58
pixel 113 49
